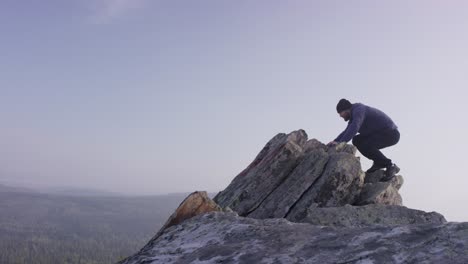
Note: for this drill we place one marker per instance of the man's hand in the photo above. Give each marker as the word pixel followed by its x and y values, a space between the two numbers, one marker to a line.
pixel 333 143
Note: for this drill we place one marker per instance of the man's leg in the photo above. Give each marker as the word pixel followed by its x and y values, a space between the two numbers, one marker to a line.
pixel 369 145
pixel 359 141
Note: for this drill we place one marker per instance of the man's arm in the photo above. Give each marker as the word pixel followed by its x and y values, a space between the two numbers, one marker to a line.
pixel 337 139
pixel 353 127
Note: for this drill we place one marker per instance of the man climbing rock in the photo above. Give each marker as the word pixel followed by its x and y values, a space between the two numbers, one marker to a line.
pixel 376 131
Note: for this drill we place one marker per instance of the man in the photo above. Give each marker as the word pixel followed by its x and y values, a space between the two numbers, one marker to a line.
pixel 376 131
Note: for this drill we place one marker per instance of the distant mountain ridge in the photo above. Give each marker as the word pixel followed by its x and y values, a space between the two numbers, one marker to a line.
pixel 74 191
pixel 7 188
pixel 60 190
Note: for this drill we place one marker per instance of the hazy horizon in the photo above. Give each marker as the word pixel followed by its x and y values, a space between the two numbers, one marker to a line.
pixel 152 97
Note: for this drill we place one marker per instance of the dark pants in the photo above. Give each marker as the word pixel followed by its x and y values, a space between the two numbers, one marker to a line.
pixel 369 145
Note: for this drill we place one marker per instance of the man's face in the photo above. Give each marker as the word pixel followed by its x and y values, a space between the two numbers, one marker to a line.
pixel 346 115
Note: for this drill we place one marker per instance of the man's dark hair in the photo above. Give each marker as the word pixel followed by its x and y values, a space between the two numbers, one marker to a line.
pixel 343 105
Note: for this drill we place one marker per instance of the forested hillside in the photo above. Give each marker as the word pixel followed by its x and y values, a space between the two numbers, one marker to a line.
pixel 46 228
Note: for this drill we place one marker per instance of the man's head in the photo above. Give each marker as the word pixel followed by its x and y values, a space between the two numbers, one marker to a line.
pixel 344 109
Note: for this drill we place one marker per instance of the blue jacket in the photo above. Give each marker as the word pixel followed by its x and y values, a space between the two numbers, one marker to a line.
pixel 365 120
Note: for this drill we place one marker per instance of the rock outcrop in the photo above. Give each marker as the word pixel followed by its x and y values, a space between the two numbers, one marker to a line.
pixel 195 204
pixel 300 201
pixel 292 173
pixel 227 238
pixel 369 215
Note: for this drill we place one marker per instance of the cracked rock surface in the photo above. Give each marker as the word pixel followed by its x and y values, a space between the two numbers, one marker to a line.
pixel 300 201
pixel 220 237
pixel 292 173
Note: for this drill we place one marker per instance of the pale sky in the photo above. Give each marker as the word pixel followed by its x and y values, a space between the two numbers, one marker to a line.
pixel 151 97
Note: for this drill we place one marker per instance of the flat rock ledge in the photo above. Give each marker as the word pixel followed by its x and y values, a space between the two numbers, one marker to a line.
pixel 220 237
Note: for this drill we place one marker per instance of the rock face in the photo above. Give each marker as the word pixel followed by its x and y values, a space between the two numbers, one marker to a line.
pixel 227 238
pixel 292 173
pixel 300 201
pixel 369 215
pixel 196 203
pixel 376 192
pixel 269 169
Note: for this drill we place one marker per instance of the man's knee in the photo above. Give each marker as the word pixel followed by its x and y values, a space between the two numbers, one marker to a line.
pixel 361 144
pixel 357 141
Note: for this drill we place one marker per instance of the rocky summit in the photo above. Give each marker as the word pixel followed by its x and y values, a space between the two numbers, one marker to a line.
pixel 300 201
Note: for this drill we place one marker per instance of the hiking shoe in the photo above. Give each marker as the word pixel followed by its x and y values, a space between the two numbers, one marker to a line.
pixel 390 172
pixel 375 167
